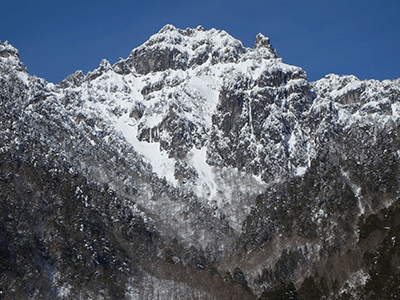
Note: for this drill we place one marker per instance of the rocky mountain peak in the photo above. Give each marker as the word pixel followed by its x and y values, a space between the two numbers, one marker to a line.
pixel 9 61
pixel 262 44
pixel 179 49
pixel 202 158
pixel 7 50
pixel 182 49
pixel 105 65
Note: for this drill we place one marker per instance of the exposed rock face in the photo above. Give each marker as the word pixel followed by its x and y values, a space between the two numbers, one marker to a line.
pixel 198 168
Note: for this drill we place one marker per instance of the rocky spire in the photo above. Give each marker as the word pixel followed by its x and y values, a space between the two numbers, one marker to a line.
pixel 262 44
pixel 7 50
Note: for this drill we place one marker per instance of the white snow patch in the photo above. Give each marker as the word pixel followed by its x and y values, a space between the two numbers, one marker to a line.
pixel 292 141
pixel 300 171
pixel 396 110
pixel 204 106
pixel 24 77
pixel 206 187
pixel 161 163
pixel 154 120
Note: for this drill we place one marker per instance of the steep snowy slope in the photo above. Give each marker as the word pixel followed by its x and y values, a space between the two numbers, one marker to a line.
pixel 197 157
pixel 169 113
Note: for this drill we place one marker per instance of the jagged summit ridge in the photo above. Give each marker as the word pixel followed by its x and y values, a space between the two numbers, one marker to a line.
pixel 173 48
pixel 177 49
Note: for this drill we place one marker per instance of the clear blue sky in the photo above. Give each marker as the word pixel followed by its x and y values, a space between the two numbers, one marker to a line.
pixel 56 38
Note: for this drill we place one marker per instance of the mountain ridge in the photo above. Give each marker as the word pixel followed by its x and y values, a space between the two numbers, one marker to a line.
pixel 221 155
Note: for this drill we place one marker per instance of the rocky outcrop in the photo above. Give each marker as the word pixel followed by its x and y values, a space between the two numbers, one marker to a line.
pixel 6 50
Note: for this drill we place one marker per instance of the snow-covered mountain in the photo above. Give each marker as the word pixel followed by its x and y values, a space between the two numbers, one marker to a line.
pixel 196 168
